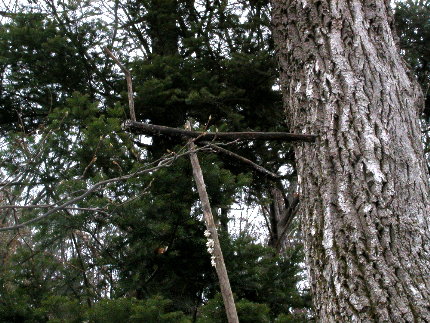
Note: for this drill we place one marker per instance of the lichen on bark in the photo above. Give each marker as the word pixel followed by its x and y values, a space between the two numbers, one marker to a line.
pixel 364 183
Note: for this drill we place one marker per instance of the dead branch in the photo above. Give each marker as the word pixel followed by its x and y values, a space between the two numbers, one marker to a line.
pixel 213 244
pixel 163 163
pixel 241 159
pixel 129 82
pixel 150 129
pixel 47 206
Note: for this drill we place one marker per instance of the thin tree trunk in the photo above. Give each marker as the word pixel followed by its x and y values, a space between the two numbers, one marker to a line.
pixel 227 295
pixel 83 270
pixel 364 183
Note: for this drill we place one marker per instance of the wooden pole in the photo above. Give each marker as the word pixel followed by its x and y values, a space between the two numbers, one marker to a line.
pixel 213 244
pixel 152 129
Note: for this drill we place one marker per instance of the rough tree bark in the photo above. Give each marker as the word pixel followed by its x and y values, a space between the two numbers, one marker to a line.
pixel 364 183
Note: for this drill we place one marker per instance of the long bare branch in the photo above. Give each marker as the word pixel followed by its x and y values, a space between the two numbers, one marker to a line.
pixel 129 82
pixel 241 159
pixel 47 206
pixel 150 129
pixel 163 163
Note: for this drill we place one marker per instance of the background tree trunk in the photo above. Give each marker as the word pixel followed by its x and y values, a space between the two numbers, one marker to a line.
pixel 364 184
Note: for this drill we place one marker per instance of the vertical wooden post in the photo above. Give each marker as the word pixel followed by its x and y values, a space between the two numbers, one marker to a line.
pixel 213 244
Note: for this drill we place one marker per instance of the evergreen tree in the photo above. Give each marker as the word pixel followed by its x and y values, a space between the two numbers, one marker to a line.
pixel 63 105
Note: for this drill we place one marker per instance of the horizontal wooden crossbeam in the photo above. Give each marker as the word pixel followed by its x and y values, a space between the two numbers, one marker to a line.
pixel 154 130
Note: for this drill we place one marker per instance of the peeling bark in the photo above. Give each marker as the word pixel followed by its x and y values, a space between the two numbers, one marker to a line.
pixel 364 190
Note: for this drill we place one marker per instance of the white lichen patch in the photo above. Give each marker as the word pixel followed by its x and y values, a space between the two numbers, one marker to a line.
pixel 342 198
pixel 328 234
pixel 213 261
pixel 210 243
pixel 367 208
pixel 309 81
pixel 316 66
pixel 374 168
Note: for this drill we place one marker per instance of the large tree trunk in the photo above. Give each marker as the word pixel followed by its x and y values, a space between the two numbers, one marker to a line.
pixel 364 184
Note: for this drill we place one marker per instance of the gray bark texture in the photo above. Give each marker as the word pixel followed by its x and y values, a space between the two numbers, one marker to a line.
pixel 364 184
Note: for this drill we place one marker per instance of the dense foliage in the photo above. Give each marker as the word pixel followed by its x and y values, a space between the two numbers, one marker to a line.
pixel 413 25
pixel 133 250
